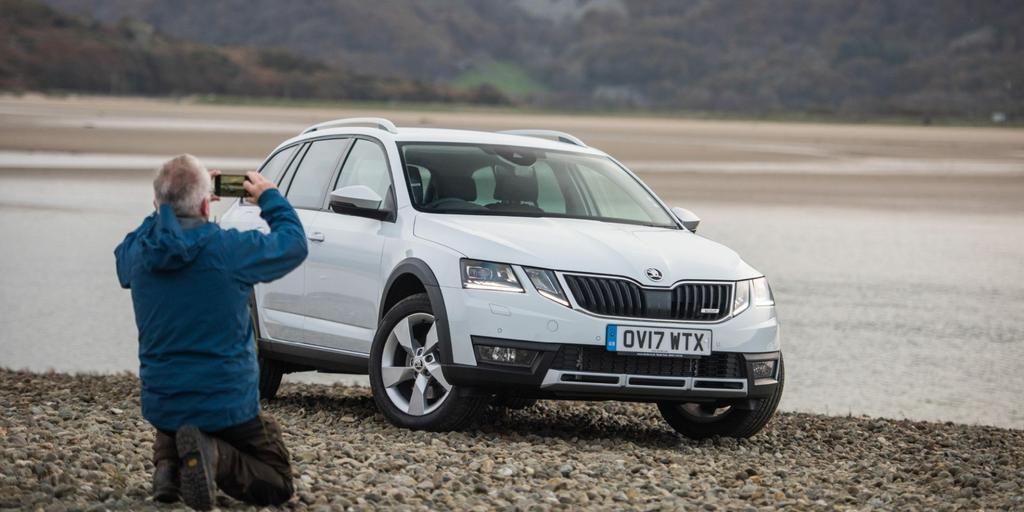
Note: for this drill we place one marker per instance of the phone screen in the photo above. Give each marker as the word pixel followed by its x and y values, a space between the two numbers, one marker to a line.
pixel 229 185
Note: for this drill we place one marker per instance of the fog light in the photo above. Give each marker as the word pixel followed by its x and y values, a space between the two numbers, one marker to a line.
pixel 505 355
pixel 763 369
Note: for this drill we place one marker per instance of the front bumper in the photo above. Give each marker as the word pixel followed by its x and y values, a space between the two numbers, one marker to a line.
pixel 582 372
pixel 573 363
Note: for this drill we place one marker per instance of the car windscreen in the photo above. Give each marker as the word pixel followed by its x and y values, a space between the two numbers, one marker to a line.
pixel 479 179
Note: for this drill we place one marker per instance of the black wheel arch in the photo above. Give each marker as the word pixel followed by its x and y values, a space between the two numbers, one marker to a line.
pixel 402 283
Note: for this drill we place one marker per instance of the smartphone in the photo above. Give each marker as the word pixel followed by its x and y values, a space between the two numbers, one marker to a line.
pixel 229 185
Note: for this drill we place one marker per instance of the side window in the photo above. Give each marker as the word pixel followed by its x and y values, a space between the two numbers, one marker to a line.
pixel 309 186
pixel 366 165
pixel 274 168
pixel 289 173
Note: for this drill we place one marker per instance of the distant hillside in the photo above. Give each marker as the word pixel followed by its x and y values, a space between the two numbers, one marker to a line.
pixel 44 49
pixel 422 39
pixel 846 57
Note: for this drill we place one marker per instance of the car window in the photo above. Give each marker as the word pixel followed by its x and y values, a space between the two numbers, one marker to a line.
pixel 419 182
pixel 366 165
pixel 274 167
pixel 483 179
pixel 289 173
pixel 309 186
pixel 549 192
pixel 611 200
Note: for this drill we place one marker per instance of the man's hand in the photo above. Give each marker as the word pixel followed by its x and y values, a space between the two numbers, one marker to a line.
pixel 256 185
pixel 213 175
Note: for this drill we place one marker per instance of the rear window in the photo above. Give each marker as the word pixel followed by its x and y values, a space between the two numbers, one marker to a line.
pixel 274 167
pixel 309 186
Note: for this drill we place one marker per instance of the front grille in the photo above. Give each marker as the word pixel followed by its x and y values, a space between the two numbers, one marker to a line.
pixel 723 365
pixel 620 297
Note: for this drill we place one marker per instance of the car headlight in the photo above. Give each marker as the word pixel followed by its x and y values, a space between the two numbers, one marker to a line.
pixel 742 299
pixel 761 293
pixel 547 285
pixel 752 291
pixel 487 275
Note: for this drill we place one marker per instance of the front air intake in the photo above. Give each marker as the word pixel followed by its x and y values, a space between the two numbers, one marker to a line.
pixel 611 296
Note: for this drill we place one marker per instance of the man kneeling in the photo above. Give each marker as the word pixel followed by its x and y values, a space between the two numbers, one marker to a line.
pixel 191 282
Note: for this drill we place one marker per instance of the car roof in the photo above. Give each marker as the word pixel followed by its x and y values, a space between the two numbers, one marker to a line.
pixel 481 137
pixel 381 128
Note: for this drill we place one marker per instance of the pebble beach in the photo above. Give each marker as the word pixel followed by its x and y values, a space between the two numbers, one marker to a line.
pixel 78 442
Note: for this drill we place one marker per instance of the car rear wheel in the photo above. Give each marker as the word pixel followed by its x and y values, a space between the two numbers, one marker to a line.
pixel 270 378
pixel 270 370
pixel 408 384
pixel 700 421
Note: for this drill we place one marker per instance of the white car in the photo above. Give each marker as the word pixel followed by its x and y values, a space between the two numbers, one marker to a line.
pixel 461 269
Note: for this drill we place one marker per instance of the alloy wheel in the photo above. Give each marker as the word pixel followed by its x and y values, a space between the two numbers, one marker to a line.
pixel 410 368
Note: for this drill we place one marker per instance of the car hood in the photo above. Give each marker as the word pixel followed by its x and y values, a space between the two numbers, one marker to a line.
pixel 585 246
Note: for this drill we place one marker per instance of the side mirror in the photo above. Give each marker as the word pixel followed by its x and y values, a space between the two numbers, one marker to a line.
pixel 689 219
pixel 359 200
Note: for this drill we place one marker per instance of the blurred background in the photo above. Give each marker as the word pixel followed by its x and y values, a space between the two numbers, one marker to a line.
pixel 867 156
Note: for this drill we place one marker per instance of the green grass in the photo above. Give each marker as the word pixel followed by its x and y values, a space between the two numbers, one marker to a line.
pixel 507 77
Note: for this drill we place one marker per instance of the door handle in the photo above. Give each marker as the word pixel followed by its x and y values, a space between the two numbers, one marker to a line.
pixel 316 236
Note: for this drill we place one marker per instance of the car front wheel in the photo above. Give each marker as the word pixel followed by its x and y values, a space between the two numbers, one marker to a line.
pixel 408 384
pixel 700 421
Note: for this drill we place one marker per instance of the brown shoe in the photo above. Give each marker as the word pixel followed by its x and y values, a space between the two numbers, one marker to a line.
pixel 198 467
pixel 166 482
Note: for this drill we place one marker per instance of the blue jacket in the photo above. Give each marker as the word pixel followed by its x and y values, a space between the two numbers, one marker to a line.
pixel 190 288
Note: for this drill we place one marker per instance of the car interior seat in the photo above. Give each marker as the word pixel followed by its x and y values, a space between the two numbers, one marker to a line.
pixel 450 189
pixel 415 183
pixel 514 191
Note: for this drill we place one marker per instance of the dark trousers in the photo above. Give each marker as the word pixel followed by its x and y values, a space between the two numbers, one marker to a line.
pixel 252 461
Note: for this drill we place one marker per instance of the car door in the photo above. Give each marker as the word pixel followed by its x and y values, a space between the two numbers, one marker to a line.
pixel 284 309
pixel 278 300
pixel 343 276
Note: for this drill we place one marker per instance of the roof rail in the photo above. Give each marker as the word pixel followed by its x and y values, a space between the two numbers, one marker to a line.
pixel 376 122
pixel 548 134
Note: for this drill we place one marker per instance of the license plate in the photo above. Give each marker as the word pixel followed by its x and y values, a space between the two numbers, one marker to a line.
pixel 658 341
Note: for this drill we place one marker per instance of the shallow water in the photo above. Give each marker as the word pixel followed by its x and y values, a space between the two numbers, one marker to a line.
pixel 884 313
pixel 895 252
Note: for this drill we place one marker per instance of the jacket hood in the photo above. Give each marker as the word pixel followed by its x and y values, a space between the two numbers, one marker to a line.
pixel 166 246
pixel 586 246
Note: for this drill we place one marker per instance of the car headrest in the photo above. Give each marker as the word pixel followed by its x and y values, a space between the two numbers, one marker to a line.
pixel 510 187
pixel 415 182
pixel 460 187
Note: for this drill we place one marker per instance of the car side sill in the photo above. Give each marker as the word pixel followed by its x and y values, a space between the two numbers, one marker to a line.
pixel 303 357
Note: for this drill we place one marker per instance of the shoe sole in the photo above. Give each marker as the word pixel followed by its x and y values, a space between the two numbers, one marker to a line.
pixel 166 496
pixel 198 488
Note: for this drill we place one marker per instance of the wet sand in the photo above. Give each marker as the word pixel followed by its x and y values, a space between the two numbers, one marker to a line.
pixel 899 282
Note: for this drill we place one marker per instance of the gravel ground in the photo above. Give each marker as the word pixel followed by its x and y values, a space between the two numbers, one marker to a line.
pixel 78 442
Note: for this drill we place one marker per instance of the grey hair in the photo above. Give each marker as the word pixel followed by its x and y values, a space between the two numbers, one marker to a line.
pixel 182 183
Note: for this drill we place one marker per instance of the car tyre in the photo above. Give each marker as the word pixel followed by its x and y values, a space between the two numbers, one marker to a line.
pixel 697 421
pixel 513 402
pixel 416 395
pixel 270 371
pixel 270 378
